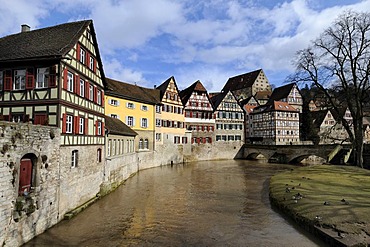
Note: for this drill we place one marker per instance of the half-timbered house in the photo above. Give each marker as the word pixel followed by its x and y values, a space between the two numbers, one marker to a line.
pixel 54 76
pixel 199 116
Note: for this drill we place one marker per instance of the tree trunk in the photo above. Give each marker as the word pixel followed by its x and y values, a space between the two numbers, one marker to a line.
pixel 358 145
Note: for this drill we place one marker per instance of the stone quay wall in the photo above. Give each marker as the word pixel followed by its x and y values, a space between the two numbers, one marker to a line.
pixel 23 217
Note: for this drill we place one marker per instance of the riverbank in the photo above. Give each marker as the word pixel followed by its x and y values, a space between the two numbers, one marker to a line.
pixel 332 202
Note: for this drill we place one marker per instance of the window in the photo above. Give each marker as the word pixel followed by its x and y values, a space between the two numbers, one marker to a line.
pixel 130 105
pixel 157 122
pixel 114 116
pixel 184 140
pixel 141 143
pixel 99 126
pixel 42 78
pixel 218 138
pixel 113 102
pixel 82 88
pixel 109 147
pixel 74 162
pixel 130 121
pixel 98 155
pixel 91 92
pixel 82 56
pixel 146 144
pixel 81 125
pixel 92 62
pixel 98 97
pixel 144 123
pixel 144 107
pixel 157 108
pixel 19 79
pixel 176 139
pixel 158 137
pixel 69 124
pixel 70 82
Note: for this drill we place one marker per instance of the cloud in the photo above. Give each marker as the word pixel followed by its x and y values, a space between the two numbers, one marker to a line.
pixel 114 69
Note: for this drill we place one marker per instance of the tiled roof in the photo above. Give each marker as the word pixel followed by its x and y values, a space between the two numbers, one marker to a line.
pixel 281 92
pixel 247 100
pixel 262 95
pixel 133 92
pixel 116 126
pixel 186 93
pixel 318 117
pixel 217 99
pixel 45 43
pixel 249 108
pixel 241 81
pixel 275 106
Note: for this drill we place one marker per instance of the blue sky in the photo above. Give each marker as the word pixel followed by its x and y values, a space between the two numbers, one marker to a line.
pixel 147 41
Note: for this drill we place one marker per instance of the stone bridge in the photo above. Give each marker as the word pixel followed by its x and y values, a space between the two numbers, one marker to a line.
pixel 291 153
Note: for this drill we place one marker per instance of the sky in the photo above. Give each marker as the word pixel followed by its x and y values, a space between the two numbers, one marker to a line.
pixel 147 41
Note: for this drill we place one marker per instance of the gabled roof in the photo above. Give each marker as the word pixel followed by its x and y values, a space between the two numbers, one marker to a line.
pixel 163 87
pixel 132 92
pixel 117 127
pixel 45 43
pixel 195 87
pixel 318 117
pixel 50 43
pixel 241 81
pixel 247 100
pixel 282 92
pixel 275 106
pixel 217 99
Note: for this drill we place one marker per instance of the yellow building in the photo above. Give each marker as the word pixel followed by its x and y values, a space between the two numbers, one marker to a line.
pixel 170 125
pixel 135 106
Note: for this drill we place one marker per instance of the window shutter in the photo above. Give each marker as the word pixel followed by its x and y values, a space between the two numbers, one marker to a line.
pixel 77 84
pixel 210 140
pixel 8 80
pixel 30 79
pixel 76 124
pixel 88 59
pixel 78 51
pixel 102 129
pixel 191 114
pixel 86 127
pixel 64 118
pixel 53 76
pixel 65 79
pixel 87 90
pixel 133 121
pixel 127 120
pixel 94 65
pixel 95 94
pixel 96 127
pixel 102 98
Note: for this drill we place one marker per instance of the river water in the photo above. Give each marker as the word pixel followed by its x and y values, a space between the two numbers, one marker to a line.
pixel 215 203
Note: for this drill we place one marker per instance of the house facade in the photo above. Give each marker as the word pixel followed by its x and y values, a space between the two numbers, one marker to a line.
pixel 229 118
pixel 248 105
pixel 246 85
pixel 136 107
pixel 276 123
pixel 199 117
pixel 288 93
pixel 54 76
pixel 170 119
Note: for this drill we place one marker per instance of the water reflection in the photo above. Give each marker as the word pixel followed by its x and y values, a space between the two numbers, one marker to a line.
pixel 223 203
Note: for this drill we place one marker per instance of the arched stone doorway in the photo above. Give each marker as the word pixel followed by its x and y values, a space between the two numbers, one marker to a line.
pixel 27 174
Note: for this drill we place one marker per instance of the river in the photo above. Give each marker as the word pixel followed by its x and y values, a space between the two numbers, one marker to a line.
pixel 213 203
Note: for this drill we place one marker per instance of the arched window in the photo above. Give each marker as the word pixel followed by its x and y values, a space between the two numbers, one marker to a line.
pixel 27 174
pixel 146 144
pixel 141 143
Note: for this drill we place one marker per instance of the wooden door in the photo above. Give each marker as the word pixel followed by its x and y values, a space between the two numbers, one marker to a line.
pixel 25 176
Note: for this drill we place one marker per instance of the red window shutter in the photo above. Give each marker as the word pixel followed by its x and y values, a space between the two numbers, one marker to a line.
pixel 210 140
pixel 78 51
pixel 65 79
pixel 87 90
pixel 102 98
pixel 96 127
pixel 191 114
pixel 102 129
pixel 77 84
pixel 204 140
pixel 86 128
pixel 94 65
pixel 88 59
pixel 30 79
pixel 64 123
pixel 8 81
pixel 95 94
pixel 53 76
pixel 76 124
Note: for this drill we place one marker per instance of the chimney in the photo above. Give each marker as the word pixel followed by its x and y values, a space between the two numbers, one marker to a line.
pixel 25 28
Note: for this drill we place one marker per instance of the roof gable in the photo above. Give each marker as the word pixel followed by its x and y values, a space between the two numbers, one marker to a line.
pixel 282 92
pixel 195 87
pixel 133 92
pixel 164 86
pixel 45 43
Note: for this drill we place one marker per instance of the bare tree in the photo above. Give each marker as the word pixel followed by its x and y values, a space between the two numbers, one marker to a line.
pixel 339 60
